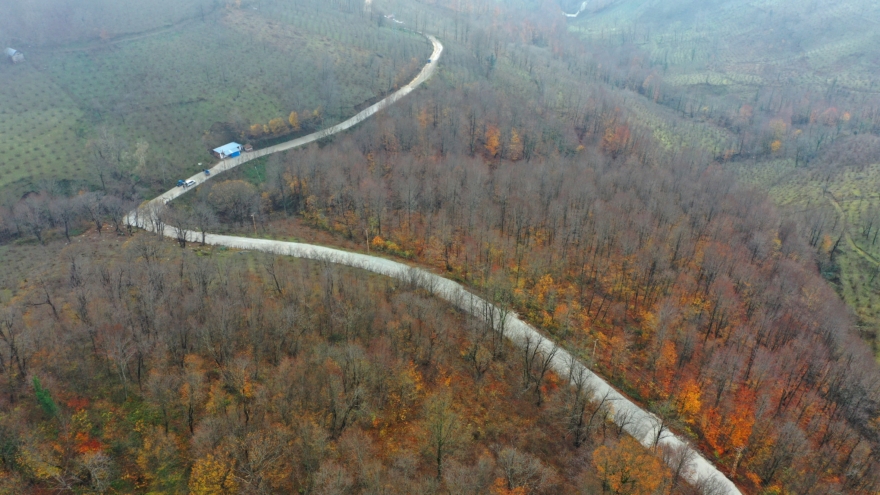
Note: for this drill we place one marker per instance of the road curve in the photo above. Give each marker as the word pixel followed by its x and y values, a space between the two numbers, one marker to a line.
pixel 642 425
pixel 230 163
pixel 581 9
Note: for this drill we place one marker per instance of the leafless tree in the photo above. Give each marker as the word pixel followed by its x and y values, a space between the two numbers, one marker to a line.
pixel 523 470
pixel 120 350
pixel 16 345
pixel 538 355
pixel 31 214
pixel 204 219
pixel 443 427
pixel 182 221
pixel 65 213
pixel 469 479
pixel 679 459
pixel 92 207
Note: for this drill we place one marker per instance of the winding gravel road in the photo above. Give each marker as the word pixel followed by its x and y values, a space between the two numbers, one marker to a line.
pixel 642 425
pixel 581 9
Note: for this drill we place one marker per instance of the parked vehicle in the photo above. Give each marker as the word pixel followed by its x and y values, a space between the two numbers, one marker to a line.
pixel 186 183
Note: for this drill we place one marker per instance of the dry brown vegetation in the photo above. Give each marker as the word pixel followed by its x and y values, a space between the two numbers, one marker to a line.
pixel 147 368
pixel 575 183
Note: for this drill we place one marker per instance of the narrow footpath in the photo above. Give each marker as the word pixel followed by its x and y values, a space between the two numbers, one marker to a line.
pixel 846 232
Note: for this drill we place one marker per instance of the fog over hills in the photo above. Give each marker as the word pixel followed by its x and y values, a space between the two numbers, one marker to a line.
pixel 766 42
pixel 530 247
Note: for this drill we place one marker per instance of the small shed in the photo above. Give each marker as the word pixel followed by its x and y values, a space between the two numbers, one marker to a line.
pixel 230 150
pixel 14 55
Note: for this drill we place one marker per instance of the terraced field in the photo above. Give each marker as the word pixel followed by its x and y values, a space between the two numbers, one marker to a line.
pixel 46 23
pixel 849 204
pixel 181 91
pixel 738 45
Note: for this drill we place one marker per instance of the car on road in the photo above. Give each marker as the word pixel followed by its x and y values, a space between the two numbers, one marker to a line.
pixel 186 183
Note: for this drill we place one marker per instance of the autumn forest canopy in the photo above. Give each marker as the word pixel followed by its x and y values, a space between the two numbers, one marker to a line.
pixel 681 194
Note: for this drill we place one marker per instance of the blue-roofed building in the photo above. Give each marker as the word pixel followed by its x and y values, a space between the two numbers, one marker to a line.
pixel 230 150
pixel 14 55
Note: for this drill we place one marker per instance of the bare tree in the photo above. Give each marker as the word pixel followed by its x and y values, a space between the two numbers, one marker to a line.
pixel 333 479
pixel 659 427
pixel 476 353
pixel 625 419
pixel 92 207
pixel 710 485
pixel 156 218
pixel 15 348
pixel 120 350
pixel 469 479
pixel 99 466
pixel 204 219
pixel 577 398
pixel 521 470
pixel 444 430
pixel 234 200
pixel 271 264
pixel 65 213
pixel 31 215
pixel 46 299
pixel 495 310
pixel 115 210
pixel 106 155
pixel 679 458
pixel 182 221
pixel 538 355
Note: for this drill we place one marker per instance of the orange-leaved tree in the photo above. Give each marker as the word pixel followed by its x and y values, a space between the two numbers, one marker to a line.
pixel 493 140
pixel 728 430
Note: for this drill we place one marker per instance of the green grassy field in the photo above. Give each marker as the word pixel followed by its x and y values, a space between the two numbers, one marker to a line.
pixel 176 88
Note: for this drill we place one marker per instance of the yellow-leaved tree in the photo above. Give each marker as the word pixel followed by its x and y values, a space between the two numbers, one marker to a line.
pixel 493 140
pixel 294 120
pixel 277 126
pixel 690 401
pixel 515 147
pixel 212 475
pixel 628 468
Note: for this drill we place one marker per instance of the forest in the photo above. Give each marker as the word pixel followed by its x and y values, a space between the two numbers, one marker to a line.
pixel 705 246
pixel 157 370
